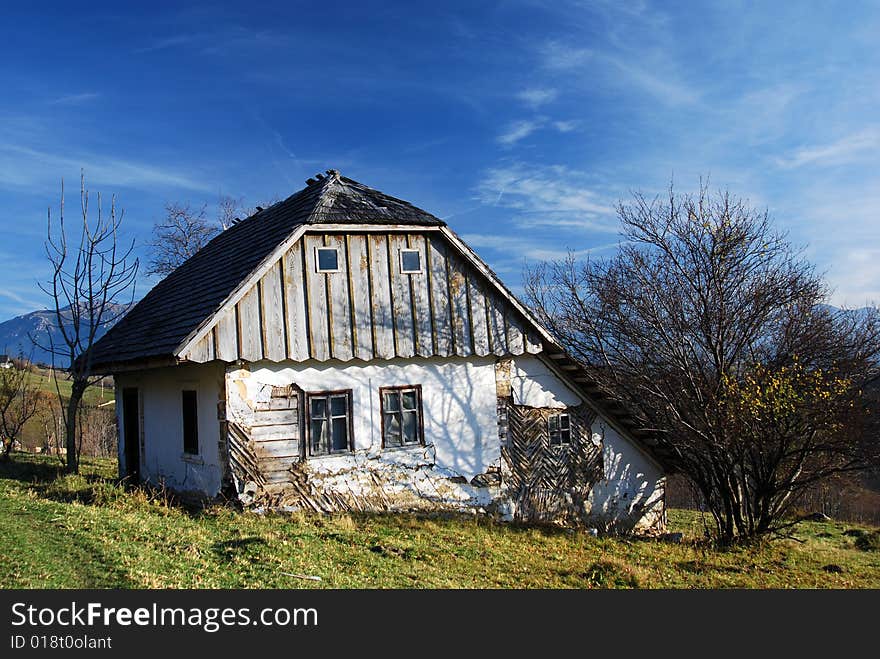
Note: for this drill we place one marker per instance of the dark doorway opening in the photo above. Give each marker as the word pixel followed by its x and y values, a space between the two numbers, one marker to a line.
pixel 131 434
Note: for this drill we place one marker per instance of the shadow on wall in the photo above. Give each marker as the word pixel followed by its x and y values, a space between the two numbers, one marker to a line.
pixel 460 400
pixel 626 500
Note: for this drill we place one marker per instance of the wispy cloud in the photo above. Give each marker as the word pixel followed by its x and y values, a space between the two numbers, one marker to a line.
pixel 641 71
pixel 526 248
pixel 547 196
pixel 536 97
pixel 75 99
pixel 566 126
pixel 172 42
pixel 518 130
pixel 22 166
pixel 843 151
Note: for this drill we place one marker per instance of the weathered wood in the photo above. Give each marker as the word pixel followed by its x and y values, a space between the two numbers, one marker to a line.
pixel 318 307
pixel 227 341
pixel 288 448
pixel 203 351
pixel 421 302
pixel 272 313
pixel 249 326
pixel 444 344
pixel 497 327
pixel 277 431
pixel 533 342
pixel 359 281
pixel 404 330
pixel 479 325
pixel 516 340
pixel 295 307
pixel 275 417
pixel 340 309
pixel 458 294
pixel 383 321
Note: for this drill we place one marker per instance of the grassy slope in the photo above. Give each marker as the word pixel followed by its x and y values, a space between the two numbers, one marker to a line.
pixel 85 531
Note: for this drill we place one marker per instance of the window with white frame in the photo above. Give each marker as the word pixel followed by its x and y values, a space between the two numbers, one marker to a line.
pixel 410 261
pixel 559 426
pixel 327 259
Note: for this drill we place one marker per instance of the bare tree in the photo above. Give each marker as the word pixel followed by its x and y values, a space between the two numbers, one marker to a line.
pixel 183 232
pixel 709 328
pixel 90 280
pixel 18 403
pixel 230 210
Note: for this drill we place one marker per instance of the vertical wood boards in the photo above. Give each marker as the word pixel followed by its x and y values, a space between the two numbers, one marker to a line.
pixel 421 303
pixel 272 312
pixel 441 305
pixel 339 303
pixel 369 309
pixel 249 329
pixel 359 282
pixel 317 305
pixel 458 296
pixel 383 313
pixel 401 300
pixel 296 311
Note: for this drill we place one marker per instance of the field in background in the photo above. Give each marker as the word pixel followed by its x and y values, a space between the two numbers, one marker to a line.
pixel 88 532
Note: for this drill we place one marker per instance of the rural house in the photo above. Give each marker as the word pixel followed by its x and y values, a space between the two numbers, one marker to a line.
pixel 345 350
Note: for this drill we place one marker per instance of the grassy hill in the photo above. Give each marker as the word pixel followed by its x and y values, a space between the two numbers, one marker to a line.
pixel 87 532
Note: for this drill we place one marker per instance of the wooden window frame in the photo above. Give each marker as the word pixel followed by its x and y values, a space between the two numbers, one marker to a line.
pixel 318 268
pixel 183 397
pixel 559 430
pixel 421 415
pixel 404 271
pixel 309 452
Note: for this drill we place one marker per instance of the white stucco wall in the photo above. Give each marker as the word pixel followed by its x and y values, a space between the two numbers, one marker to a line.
pixel 162 457
pixel 458 402
pixel 533 384
pixel 631 492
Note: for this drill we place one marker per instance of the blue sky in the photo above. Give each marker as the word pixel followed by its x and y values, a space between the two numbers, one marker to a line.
pixel 520 123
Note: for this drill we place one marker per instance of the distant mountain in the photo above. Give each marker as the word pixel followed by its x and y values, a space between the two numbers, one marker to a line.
pixel 15 333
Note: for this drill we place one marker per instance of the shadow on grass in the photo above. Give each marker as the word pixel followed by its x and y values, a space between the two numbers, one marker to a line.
pixel 228 549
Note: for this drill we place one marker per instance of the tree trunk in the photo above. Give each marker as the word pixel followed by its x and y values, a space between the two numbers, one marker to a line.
pixel 76 395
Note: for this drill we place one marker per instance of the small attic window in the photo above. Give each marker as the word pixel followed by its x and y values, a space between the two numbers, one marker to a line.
pixel 327 259
pixel 410 261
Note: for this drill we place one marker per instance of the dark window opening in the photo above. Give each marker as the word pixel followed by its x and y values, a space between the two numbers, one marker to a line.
pixel 410 261
pixel 401 416
pixel 327 259
pixel 560 429
pixel 190 423
pixel 329 422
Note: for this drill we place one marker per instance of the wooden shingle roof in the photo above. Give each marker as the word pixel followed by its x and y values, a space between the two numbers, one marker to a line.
pixel 155 327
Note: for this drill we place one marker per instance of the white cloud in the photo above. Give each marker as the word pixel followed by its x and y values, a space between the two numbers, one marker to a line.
pixel 526 248
pixel 536 97
pixel 843 151
pixel 518 130
pixel 26 167
pixel 566 126
pixel 547 196
pixel 645 72
pixel 75 99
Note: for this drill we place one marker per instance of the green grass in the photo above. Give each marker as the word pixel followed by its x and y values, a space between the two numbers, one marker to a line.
pixel 88 532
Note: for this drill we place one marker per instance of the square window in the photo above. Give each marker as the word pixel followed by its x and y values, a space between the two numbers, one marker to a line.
pixel 329 422
pixel 327 259
pixel 401 416
pixel 410 261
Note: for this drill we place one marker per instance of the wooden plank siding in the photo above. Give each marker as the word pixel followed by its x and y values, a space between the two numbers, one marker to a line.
pixel 369 309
